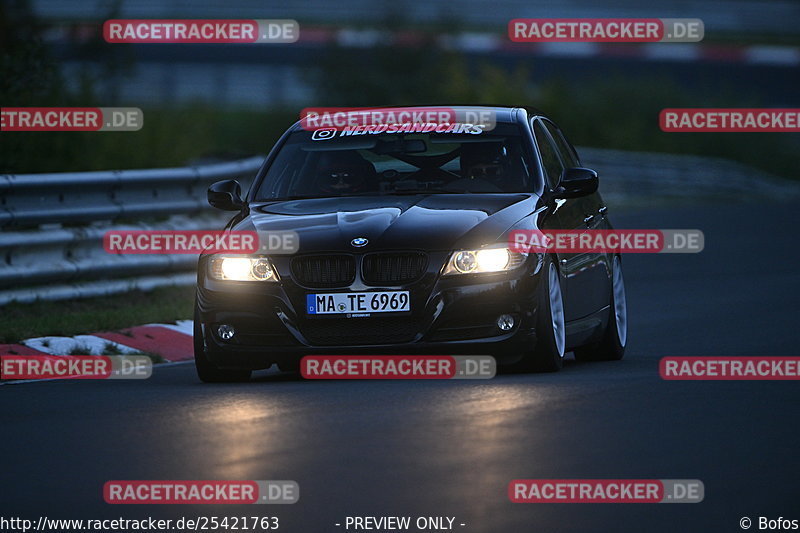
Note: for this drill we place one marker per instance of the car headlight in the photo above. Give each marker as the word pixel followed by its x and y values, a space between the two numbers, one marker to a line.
pixel 495 259
pixel 239 268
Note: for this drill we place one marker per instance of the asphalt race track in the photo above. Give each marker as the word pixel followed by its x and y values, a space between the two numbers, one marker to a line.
pixel 450 448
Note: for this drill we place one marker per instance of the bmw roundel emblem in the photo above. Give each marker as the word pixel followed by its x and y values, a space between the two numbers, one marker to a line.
pixel 358 242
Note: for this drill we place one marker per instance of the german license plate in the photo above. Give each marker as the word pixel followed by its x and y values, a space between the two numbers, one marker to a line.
pixel 358 302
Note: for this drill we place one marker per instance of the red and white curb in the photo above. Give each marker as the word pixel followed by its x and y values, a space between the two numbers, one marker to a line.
pixel 171 342
pixel 485 42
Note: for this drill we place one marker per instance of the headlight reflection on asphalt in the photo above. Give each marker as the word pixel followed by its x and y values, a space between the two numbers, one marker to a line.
pixel 495 419
pixel 237 432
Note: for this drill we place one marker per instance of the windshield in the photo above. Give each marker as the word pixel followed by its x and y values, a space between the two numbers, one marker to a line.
pixel 341 163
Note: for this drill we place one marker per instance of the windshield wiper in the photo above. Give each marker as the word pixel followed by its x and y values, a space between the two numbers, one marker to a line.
pixel 319 197
pixel 370 193
pixel 294 197
pixel 425 191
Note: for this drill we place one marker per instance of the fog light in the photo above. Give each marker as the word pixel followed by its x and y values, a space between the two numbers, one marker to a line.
pixel 505 322
pixel 226 332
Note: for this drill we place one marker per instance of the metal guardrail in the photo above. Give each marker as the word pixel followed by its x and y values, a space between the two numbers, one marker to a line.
pixel 35 199
pixel 648 178
pixel 53 224
pixel 52 228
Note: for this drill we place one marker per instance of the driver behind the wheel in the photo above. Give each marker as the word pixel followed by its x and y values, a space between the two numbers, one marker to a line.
pixel 484 163
pixel 344 172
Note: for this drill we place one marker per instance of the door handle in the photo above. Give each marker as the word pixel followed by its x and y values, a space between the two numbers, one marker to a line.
pixel 603 210
pixel 588 219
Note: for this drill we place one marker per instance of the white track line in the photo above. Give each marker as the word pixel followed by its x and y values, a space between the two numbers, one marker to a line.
pixel 86 344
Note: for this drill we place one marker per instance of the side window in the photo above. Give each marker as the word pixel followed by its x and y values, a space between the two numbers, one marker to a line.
pixel 568 154
pixel 550 160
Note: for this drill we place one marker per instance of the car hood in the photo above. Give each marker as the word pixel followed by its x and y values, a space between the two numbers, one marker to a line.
pixel 425 222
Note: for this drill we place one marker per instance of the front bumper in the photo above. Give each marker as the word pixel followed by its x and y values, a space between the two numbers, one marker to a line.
pixel 453 315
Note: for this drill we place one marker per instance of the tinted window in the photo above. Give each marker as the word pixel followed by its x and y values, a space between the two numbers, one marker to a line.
pixel 347 164
pixel 567 152
pixel 550 160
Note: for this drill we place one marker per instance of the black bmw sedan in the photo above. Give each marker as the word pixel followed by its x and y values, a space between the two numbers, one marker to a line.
pixel 403 248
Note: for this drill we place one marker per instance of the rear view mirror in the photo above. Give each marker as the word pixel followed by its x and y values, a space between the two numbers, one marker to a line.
pixel 226 195
pixel 577 182
pixel 396 146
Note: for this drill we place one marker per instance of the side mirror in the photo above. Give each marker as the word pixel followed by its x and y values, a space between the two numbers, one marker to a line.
pixel 577 182
pixel 226 195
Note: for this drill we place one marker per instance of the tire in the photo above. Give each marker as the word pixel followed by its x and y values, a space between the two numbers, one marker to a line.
pixel 612 345
pixel 207 371
pixel 548 354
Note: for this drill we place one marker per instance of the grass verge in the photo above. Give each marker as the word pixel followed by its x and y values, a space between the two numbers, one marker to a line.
pixel 109 313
